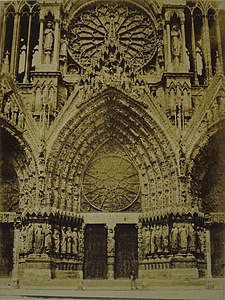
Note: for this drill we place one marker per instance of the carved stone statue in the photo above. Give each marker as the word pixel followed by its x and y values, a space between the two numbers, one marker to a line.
pixel 29 238
pixel 146 237
pixel 21 120
pixel 165 238
pixel 48 238
pixel 63 48
pixel 201 239
pixel 74 242
pixel 56 240
pixel 22 240
pixel 191 238
pixel 176 43
pixel 152 242
pixel 48 42
pixel 174 237
pixel 69 240
pixel 111 243
pixel 15 112
pixel 7 109
pixel 63 241
pixel 39 239
pixel 158 239
pixel 160 51
pixel 106 74
pixel 183 238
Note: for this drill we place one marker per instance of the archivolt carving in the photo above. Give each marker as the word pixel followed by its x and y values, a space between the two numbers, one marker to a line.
pixel 207 173
pixel 207 118
pixel 9 192
pixel 19 156
pixel 108 117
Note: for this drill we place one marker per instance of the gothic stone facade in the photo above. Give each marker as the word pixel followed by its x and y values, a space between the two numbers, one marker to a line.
pixel 112 139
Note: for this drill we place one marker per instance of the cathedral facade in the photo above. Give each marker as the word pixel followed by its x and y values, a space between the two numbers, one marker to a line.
pixel 112 139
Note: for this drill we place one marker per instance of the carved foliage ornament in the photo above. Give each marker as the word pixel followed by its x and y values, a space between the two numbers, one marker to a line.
pixel 111 181
pixel 124 30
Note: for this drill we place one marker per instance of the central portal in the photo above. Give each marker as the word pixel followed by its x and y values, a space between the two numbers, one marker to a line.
pixel 126 250
pixel 95 253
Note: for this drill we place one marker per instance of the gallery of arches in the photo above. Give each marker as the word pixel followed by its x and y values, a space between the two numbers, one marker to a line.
pixel 112 130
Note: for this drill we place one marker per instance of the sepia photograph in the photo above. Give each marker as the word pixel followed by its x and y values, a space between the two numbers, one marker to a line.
pixel 112 149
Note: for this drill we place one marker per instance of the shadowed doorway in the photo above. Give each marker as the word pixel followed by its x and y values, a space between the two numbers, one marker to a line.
pixel 95 251
pixel 126 250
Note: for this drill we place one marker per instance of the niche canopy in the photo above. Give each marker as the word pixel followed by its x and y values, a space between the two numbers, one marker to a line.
pixel 111 181
pixel 115 31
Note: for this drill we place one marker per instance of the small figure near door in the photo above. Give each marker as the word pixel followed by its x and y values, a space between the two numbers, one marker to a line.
pixel 133 279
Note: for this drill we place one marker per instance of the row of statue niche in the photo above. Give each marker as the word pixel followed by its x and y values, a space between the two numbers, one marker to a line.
pixel 12 112
pixel 28 189
pixel 35 238
pixel 182 237
pixel 93 81
pixel 65 241
pixel 43 97
pixel 216 110
pixel 40 238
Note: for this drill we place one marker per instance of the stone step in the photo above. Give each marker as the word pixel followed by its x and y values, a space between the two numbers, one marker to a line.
pixel 117 284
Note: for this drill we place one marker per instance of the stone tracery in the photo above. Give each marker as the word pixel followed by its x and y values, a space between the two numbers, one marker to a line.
pixel 111 182
pixel 115 31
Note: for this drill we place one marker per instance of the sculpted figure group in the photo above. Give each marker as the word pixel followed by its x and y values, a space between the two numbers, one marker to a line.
pixel 181 238
pixel 39 238
pixel 12 112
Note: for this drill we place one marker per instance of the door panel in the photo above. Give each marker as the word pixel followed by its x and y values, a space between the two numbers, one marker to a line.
pixel 126 250
pixel 218 249
pixel 95 252
pixel 6 249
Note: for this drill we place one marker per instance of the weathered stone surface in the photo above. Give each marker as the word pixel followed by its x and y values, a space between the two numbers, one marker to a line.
pixel 112 120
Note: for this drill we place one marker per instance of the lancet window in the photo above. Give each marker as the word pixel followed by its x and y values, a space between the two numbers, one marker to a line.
pixel 204 43
pixel 21 40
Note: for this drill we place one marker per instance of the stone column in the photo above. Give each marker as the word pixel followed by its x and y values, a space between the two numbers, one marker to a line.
pixel 56 44
pixel 15 275
pixel 183 54
pixel 207 48
pixel 2 37
pixel 168 45
pixel 208 252
pixel 41 32
pixel 220 52
pixel 81 249
pixel 111 251
pixel 193 48
pixel 14 51
pixel 25 80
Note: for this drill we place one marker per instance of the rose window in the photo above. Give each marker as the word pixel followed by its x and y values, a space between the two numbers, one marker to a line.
pixel 115 30
pixel 111 181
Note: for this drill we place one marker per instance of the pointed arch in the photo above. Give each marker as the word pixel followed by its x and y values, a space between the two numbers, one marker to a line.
pixel 113 116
